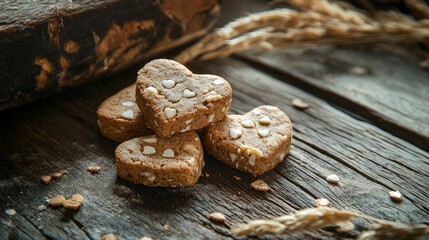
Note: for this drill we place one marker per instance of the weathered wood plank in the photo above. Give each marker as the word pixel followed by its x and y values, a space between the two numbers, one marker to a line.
pixel 392 91
pixel 61 133
pixel 47 46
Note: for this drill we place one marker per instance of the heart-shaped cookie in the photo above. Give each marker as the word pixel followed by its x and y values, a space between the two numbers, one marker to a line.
pixel 254 142
pixel 120 119
pixel 167 162
pixel 174 100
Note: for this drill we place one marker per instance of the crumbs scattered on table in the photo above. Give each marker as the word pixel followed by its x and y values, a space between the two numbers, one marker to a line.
pixel 46 179
pixel 333 178
pixel 217 217
pixel 358 70
pixel 260 185
pixel 10 212
pixel 396 196
pixel 299 104
pixel 322 202
pixel 41 208
pixel 59 174
pixel 166 226
pixel 56 200
pixel 74 202
pixel 109 236
pixel 207 174
pixel 237 178
pixel 94 169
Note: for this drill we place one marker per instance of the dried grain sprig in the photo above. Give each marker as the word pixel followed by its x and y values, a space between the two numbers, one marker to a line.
pixel 419 7
pixel 303 220
pixel 312 219
pixel 320 22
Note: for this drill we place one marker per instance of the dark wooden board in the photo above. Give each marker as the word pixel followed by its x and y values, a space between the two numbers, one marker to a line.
pixel 393 94
pixel 62 133
pixel 47 46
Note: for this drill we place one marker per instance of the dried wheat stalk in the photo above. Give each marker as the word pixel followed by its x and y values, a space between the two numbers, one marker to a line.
pixel 317 22
pixel 312 219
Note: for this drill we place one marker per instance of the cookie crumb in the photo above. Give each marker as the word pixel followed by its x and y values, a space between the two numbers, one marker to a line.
pixel 217 217
pixel 237 178
pixel 74 202
pixel 41 208
pixel 260 185
pixel 59 174
pixel 322 202
pixel 56 201
pixel 46 179
pixel 333 178
pixel 109 236
pixel 166 226
pixel 299 104
pixel 145 238
pixel 94 169
pixel 396 196
pixel 10 212
pixel 207 174
pixel 358 70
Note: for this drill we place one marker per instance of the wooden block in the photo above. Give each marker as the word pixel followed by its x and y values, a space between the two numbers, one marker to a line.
pixel 47 46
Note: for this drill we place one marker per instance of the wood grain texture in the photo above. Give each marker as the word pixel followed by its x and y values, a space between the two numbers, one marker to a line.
pixel 62 133
pixel 393 93
pixel 47 46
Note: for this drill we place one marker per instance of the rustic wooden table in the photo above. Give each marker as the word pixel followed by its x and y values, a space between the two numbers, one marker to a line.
pixel 369 127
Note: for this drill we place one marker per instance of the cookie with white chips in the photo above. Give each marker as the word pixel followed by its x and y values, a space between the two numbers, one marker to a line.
pixel 174 100
pixel 254 142
pixel 119 117
pixel 167 162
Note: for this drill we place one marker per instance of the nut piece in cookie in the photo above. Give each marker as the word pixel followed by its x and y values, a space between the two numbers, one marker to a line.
pixel 120 119
pixel 174 100
pixel 251 148
pixel 167 162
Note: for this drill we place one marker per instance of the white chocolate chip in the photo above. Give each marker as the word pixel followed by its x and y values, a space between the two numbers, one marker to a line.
pixel 150 140
pixel 213 98
pixel 265 120
pixel 333 178
pixel 211 118
pixel 251 150
pixel 149 176
pixel 257 111
pixel 252 160
pixel 218 81
pixel 168 83
pixel 235 133
pixel 168 153
pixel 263 132
pixel 282 155
pixel 148 150
pixel 191 159
pixel 395 196
pixel 151 90
pixel 233 157
pixel 129 114
pixel 188 94
pixel 127 104
pixel 188 121
pixel 189 148
pixel 188 128
pixel 170 112
pixel 247 123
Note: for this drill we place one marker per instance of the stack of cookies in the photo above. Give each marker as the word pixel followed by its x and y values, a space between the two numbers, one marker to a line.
pixel 157 118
